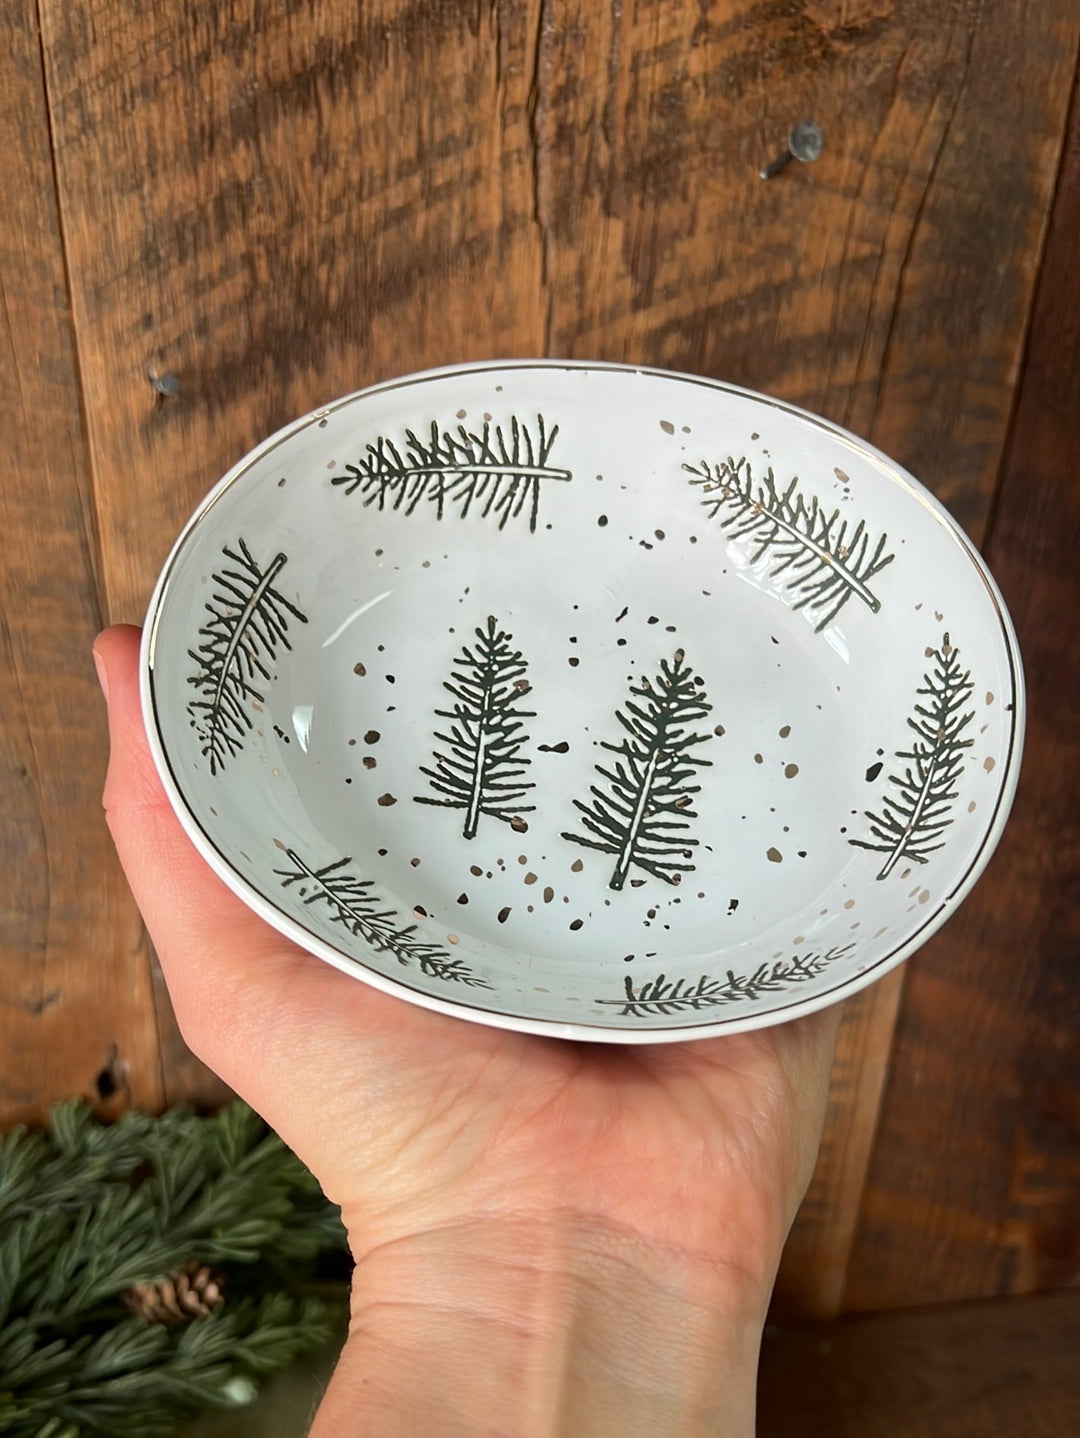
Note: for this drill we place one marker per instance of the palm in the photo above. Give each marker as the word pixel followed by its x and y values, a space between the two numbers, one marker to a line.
pixel 669 1141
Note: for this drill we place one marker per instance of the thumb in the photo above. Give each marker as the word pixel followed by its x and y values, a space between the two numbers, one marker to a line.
pixel 219 958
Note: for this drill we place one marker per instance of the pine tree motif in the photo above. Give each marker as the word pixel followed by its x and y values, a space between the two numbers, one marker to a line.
pixel 354 903
pixel 643 815
pixel 815 555
pixel 481 769
pixel 915 814
pixel 249 621
pixel 490 473
pixel 665 996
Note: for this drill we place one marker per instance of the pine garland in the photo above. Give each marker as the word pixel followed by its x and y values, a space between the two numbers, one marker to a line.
pixel 92 1214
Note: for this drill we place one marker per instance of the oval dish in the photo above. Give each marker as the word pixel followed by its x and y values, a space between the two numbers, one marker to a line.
pixel 597 702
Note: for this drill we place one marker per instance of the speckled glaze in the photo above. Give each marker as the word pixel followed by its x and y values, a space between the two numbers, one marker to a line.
pixel 584 700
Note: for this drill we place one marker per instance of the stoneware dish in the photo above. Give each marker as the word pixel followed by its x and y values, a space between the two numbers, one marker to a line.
pixel 589 701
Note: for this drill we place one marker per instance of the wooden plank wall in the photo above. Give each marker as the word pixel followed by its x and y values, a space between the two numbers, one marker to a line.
pixel 277 204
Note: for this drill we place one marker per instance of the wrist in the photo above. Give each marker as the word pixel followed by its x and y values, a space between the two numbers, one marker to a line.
pixel 558 1326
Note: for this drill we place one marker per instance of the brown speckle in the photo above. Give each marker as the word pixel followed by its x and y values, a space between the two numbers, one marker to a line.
pixel 989 697
pixel 518 824
pixel 841 476
pixel 785 731
pixel 988 763
pixel 774 856
pixel 415 863
pixel 790 770
pixel 849 903
pixel 504 914
pixel 719 731
pixel 924 897
pixel 452 939
pixel 971 807
pixel 359 669
pixel 530 877
pixel 549 894
pixel 476 871
pixel 576 867
pixel 759 759
pixel 279 845
pixel 385 801
pixel 419 912
pixel 667 426
pixel 369 761
pixel 372 736
pixel 576 924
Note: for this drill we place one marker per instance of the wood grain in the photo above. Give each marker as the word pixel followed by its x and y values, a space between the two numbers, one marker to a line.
pixel 975 1184
pixel 76 998
pixel 279 204
pixel 989 1370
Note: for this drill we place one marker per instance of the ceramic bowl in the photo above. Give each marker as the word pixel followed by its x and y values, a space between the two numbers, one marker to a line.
pixel 590 701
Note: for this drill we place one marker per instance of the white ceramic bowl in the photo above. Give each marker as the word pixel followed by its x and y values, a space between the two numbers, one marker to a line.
pixel 583 700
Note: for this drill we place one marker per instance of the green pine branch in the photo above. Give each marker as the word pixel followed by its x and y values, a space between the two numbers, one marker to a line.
pixel 353 902
pixel 249 622
pixel 917 810
pixel 87 1211
pixel 481 768
pixel 663 996
pixel 643 815
pixel 817 556
pixel 495 471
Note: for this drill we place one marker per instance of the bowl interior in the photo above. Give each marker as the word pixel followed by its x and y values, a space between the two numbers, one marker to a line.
pixel 587 700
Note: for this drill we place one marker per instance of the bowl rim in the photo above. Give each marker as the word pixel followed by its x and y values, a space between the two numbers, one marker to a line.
pixel 740 1022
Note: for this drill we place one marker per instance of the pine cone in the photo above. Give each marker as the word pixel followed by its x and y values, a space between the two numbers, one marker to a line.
pixel 192 1293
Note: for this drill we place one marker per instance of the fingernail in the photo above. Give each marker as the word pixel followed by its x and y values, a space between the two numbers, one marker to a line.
pixel 103 678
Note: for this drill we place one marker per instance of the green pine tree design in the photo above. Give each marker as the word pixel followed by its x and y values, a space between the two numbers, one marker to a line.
pixel 815 555
pixel 249 621
pixel 354 903
pixel 481 768
pixel 494 471
pixel 665 996
pixel 643 815
pixel 917 809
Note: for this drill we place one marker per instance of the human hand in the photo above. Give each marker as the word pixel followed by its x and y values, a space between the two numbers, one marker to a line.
pixel 533 1194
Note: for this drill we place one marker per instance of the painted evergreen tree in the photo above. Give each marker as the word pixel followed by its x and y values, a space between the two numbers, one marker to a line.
pixel 917 810
pixel 665 996
pixel 643 815
pixel 353 902
pixel 249 622
pixel 481 768
pixel 493 471
pixel 817 556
